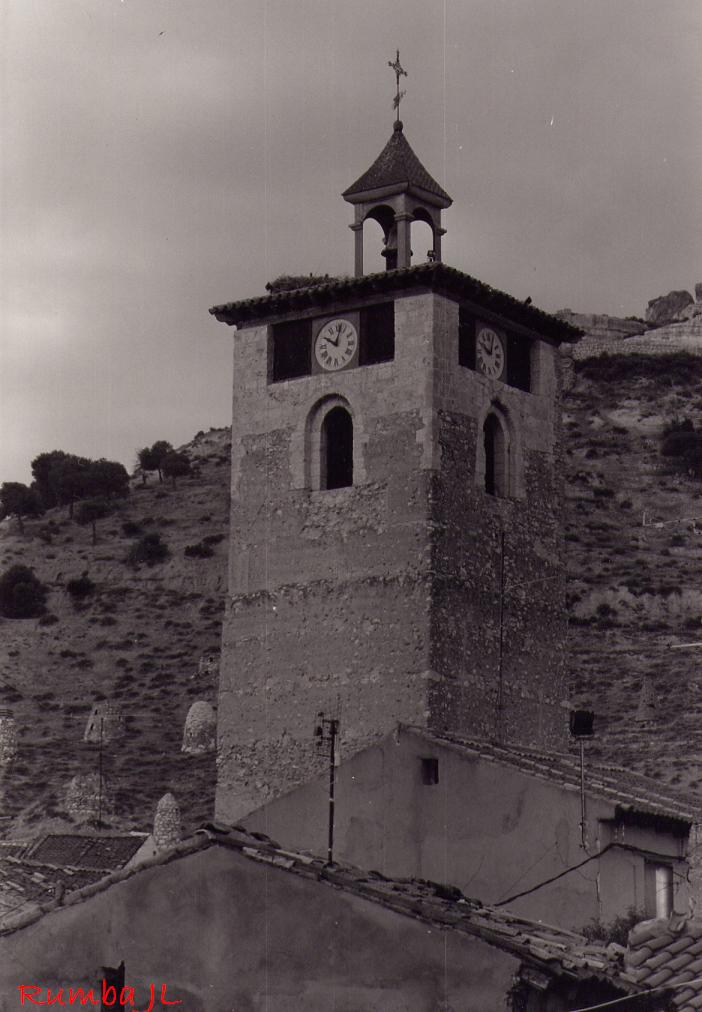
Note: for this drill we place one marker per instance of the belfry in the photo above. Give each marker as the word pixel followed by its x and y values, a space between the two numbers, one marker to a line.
pixel 395 191
pixel 395 507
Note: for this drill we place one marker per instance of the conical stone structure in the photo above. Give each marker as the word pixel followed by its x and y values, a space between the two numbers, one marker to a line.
pixel 105 722
pixel 166 823
pixel 8 738
pixel 86 797
pixel 200 732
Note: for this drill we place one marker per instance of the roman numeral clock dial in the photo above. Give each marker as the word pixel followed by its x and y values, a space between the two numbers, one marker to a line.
pixel 489 352
pixel 335 345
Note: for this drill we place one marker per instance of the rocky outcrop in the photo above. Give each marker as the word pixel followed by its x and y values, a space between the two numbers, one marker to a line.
pixel 667 308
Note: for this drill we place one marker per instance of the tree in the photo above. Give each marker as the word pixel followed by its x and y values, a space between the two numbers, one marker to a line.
pixel 151 457
pixel 175 465
pixel 89 511
pixel 18 500
pixel 22 595
pixel 44 468
pixel 106 478
pixel 149 549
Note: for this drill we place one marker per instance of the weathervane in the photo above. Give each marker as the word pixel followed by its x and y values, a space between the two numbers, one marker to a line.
pixel 399 72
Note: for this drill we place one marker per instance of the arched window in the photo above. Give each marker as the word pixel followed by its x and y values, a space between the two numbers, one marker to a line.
pixel 496 457
pixel 336 449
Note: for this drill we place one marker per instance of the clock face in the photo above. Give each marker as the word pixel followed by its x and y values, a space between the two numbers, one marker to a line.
pixel 335 345
pixel 489 352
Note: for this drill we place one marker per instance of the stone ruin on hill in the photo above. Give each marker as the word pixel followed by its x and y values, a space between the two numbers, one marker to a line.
pixel 105 723
pixel 673 323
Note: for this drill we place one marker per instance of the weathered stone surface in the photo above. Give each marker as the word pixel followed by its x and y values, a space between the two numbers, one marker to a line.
pixel 200 732
pixel 105 723
pixel 647 701
pixel 167 826
pixel 86 797
pixel 667 308
pixel 382 600
pixel 8 738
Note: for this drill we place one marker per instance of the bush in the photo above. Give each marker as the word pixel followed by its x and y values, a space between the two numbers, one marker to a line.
pixel 131 529
pixel 81 587
pixel 48 619
pixel 201 551
pixel 149 549
pixel 680 443
pixel 617 930
pixel 22 595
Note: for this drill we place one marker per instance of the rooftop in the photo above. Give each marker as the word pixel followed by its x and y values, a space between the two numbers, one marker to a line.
pixel 553 950
pixel 668 954
pixel 437 277
pixel 397 166
pixel 630 792
pixel 94 852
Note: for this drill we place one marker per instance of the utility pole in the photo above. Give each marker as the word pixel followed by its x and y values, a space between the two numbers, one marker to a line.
pixel 327 733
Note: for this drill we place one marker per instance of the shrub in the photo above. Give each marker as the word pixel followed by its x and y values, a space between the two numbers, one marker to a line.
pixel 48 619
pixel 80 588
pixel 201 551
pixel 213 539
pixel 149 549
pixel 22 595
pixel 617 930
pixel 131 529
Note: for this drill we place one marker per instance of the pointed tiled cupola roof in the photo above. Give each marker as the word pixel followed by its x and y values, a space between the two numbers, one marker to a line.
pixel 398 167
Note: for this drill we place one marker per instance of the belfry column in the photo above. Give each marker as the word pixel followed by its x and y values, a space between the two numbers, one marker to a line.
pixel 357 229
pixel 404 252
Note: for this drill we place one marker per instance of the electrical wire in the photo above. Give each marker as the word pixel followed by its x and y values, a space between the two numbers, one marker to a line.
pixel 566 871
pixel 638 994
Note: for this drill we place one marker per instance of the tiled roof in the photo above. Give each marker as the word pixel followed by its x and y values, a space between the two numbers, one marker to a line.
pixel 668 953
pixel 434 276
pixel 553 950
pixel 629 791
pixel 397 164
pixel 79 850
pixel 24 886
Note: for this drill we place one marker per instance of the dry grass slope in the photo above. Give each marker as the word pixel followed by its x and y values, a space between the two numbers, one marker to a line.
pixel 634 589
pixel 136 639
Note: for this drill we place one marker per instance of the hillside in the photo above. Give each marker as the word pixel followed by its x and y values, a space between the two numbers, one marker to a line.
pixel 634 589
pixel 138 639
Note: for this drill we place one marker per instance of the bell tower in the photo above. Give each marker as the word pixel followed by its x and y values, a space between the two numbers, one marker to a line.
pixel 395 537
pixel 395 191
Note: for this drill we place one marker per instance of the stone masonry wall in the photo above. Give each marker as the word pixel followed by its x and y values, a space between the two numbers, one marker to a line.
pixel 468 694
pixel 329 590
pixel 377 603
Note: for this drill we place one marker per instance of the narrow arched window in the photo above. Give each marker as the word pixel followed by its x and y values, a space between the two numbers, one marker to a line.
pixel 336 446
pixel 496 463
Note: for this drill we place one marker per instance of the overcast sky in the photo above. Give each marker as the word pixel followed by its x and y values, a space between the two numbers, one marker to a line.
pixel 162 156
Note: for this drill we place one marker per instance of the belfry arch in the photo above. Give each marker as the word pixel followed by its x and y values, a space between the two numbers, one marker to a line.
pixel 395 191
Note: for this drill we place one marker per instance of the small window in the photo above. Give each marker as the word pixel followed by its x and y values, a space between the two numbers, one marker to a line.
pixel 430 771
pixel 466 338
pixel 292 344
pixel 377 342
pixel 519 362
pixel 658 889
pixel 112 977
pixel 336 447
pixel 496 474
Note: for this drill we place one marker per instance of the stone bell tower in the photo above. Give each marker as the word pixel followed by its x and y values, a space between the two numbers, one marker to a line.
pixel 395 548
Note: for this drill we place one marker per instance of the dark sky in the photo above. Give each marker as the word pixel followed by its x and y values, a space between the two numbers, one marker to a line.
pixel 161 156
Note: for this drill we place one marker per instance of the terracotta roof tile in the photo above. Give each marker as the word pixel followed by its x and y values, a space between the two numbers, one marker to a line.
pixel 434 276
pixel 89 851
pixel 396 165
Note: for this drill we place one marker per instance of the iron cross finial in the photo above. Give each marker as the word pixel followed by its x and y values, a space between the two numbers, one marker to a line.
pixel 399 72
